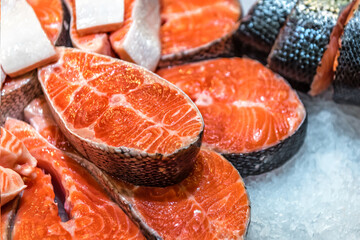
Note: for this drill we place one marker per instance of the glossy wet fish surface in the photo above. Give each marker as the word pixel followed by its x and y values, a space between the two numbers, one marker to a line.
pixel 302 42
pixel 347 75
pixel 262 25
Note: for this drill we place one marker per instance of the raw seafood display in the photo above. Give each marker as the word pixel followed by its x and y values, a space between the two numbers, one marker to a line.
pixel 154 145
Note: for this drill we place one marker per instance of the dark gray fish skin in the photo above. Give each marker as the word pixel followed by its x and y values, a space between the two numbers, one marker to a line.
pixel 347 75
pixel 13 102
pixel 259 162
pixel 262 25
pixel 303 40
pixel 64 36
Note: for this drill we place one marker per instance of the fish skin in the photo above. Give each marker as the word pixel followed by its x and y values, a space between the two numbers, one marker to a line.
pixel 257 31
pixel 131 198
pixel 347 74
pixel 83 194
pixel 299 47
pixel 14 99
pixel 124 162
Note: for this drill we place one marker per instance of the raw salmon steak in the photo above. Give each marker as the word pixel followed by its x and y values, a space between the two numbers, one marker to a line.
pixel 91 212
pixel 210 203
pixel 97 43
pixel 347 75
pixel 122 117
pixel 197 29
pixel 50 15
pixel 138 39
pixel 14 154
pixel 252 116
pixel 16 94
pixel 11 185
pixel 305 50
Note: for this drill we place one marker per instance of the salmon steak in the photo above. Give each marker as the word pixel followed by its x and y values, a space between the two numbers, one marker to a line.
pixel 16 94
pixel 210 204
pixel 97 43
pixel 91 212
pixel 197 29
pixel 252 116
pixel 305 50
pixel 347 75
pixel 124 118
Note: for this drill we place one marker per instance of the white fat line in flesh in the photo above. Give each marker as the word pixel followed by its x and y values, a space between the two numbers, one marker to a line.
pixel 248 104
pixel 203 99
pixel 199 10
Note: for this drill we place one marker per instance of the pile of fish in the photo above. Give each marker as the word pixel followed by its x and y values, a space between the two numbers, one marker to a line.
pixel 140 114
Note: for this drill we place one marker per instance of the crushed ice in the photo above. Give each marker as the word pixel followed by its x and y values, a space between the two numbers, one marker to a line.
pixel 316 195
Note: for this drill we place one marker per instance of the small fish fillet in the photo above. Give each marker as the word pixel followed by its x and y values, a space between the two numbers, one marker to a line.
pixel 11 185
pixel 138 40
pixel 24 44
pixel 15 155
pixel 99 16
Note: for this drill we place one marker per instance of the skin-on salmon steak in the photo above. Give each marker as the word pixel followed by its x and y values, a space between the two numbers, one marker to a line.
pixel 197 29
pixel 124 118
pixel 91 212
pixel 138 39
pixel 347 75
pixel 212 197
pixel 97 43
pixel 305 50
pixel 16 94
pixel 252 116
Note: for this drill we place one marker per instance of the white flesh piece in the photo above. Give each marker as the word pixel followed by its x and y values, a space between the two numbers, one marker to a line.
pixel 24 44
pixel 142 42
pixel 94 16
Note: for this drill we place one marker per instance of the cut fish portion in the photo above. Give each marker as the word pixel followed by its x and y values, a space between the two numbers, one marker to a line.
pixel 97 43
pixel 38 114
pixel 99 16
pixel 16 94
pixel 85 202
pixel 37 216
pixel 125 119
pixel 305 49
pixel 347 75
pixel 11 185
pixel 14 154
pixel 262 25
pixel 50 15
pixel 210 204
pixel 194 30
pixel 138 39
pixel 7 215
pixel 252 116
pixel 24 44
